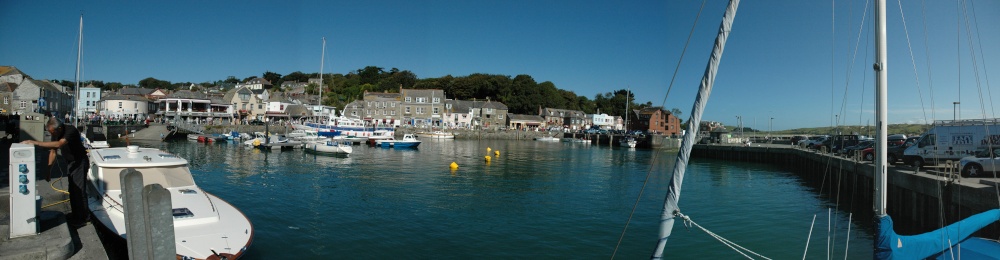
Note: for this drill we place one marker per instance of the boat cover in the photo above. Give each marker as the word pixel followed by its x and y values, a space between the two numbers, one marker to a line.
pixel 938 243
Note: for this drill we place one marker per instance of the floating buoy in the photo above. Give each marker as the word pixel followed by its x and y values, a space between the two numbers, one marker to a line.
pixel 488 158
pixel 454 166
pixel 497 153
pixel 488 149
pixel 256 142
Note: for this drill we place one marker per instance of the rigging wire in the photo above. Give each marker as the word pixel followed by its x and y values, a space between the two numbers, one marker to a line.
pixel 688 222
pixel 655 155
pixel 809 237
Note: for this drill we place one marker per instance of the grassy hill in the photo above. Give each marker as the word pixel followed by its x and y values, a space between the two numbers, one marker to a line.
pixel 907 129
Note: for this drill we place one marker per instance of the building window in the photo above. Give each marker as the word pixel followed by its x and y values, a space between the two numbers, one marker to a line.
pixel 436 110
pixel 260 106
pixel 119 104
pixel 354 113
pixel 5 100
pixel 437 100
pixel 407 110
pixel 383 104
pixel 392 104
pixel 24 104
pixel 499 116
pixel 136 105
pixel 392 112
pixel 447 106
pixel 421 100
pixel 368 112
pixel 408 99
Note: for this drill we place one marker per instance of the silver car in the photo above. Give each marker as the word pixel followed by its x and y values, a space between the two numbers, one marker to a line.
pixel 983 164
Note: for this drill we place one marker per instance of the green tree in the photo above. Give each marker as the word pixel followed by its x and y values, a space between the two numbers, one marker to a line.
pixel 274 78
pixel 232 80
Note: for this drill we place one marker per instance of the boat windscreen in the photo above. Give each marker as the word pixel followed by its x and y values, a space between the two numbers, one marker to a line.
pixel 167 176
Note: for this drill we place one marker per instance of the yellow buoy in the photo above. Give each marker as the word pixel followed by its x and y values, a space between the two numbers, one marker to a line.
pixel 488 158
pixel 488 149
pixel 497 153
pixel 454 166
pixel 256 142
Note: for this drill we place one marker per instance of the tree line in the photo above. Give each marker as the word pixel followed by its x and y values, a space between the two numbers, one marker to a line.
pixel 521 93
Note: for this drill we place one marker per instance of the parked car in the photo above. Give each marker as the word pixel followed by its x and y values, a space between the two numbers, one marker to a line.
pixel 984 164
pixel 895 152
pixel 795 139
pixel 256 122
pixel 813 142
pixel 858 147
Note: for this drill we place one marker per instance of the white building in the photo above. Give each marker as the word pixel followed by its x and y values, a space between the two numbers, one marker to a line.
pixel 121 106
pixel 603 121
pixel 87 102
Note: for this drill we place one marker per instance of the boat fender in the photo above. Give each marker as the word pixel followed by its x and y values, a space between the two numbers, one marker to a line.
pixel 454 166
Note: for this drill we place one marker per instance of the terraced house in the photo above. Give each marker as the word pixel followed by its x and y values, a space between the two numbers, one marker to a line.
pixel 422 107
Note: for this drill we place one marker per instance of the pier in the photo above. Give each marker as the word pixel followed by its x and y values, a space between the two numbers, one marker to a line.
pixel 919 200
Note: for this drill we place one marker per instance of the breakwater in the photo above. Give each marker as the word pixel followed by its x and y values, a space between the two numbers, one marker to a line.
pixel 919 200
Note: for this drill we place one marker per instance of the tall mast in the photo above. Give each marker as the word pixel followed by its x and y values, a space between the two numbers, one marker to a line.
pixel 881 82
pixel 671 208
pixel 627 100
pixel 321 62
pixel 76 96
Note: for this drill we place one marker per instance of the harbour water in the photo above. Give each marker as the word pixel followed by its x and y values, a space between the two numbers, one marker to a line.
pixel 536 200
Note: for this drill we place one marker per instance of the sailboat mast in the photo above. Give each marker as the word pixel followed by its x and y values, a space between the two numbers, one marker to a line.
pixel 881 81
pixel 671 208
pixel 627 100
pixel 76 96
pixel 322 56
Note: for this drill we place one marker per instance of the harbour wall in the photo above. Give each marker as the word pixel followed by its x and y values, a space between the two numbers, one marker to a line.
pixel 918 200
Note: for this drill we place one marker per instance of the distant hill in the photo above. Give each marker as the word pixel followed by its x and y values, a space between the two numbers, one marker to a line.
pixel 907 129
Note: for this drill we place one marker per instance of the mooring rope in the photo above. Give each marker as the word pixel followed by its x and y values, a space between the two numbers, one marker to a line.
pixel 689 223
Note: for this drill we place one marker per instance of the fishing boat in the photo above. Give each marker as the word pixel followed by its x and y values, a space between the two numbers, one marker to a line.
pixel 408 141
pixel 330 145
pixel 950 242
pixel 205 226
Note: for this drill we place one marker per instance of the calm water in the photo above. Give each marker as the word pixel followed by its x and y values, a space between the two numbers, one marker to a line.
pixel 537 200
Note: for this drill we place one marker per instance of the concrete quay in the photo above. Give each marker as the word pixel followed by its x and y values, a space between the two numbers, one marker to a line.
pixel 56 238
pixel 919 200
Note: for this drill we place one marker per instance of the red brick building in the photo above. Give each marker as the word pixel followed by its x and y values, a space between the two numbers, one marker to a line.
pixel 654 119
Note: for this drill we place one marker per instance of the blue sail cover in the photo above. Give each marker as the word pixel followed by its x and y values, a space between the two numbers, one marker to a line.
pixel 889 245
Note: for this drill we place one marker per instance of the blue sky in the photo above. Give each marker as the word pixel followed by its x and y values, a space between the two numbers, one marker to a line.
pixel 784 59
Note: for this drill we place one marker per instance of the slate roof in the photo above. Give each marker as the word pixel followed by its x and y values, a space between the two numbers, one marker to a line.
pixel 135 91
pixel 187 94
pixel 519 117
pixel 124 97
pixel 297 110
pixel 10 70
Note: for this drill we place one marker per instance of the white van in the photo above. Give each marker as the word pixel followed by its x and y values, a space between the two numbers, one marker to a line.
pixel 952 140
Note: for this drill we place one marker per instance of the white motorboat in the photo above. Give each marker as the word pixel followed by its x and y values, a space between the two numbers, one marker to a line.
pixel 629 142
pixel 330 145
pixel 438 135
pixel 205 226
pixel 547 139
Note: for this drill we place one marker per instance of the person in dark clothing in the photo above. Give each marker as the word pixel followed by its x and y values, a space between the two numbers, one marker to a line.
pixel 69 141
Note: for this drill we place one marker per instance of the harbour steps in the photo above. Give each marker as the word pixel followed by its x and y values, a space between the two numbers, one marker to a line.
pixel 918 200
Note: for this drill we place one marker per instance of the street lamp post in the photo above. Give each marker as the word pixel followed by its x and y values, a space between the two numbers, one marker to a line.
pixel 954 110
pixel 770 129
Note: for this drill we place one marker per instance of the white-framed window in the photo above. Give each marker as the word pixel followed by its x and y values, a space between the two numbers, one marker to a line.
pixel 5 100
pixel 368 112
pixel 437 100
pixel 392 112
pixel 421 100
pixel 119 104
pixel 24 104
pixel 407 110
pixel 500 116
pixel 408 99
pixel 436 110
pixel 383 112
pixel 383 104
pixel 447 106
pixel 393 104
